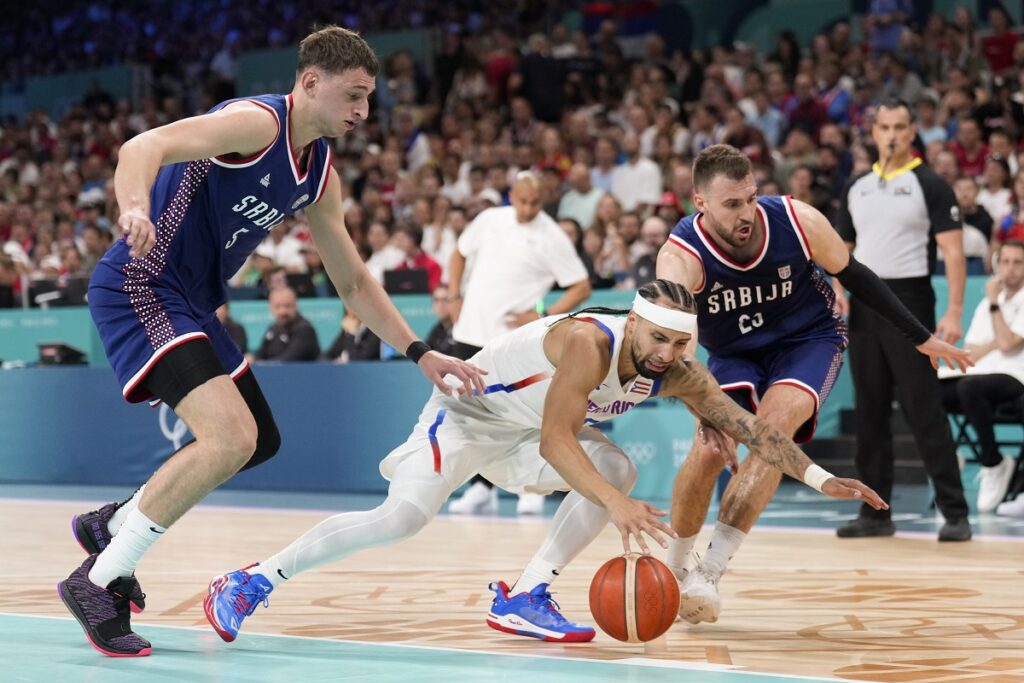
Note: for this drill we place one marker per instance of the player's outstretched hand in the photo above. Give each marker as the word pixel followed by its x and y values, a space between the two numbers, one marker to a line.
pixel 938 350
pixel 436 365
pixel 720 445
pixel 138 232
pixel 853 489
pixel 631 517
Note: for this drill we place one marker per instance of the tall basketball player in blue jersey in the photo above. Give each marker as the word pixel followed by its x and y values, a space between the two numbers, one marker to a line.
pixel 196 197
pixel 757 267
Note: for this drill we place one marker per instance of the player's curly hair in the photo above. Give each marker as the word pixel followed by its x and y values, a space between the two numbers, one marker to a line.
pixel 655 289
pixel 335 49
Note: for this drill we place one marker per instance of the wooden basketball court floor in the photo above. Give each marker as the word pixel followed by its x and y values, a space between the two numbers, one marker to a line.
pixel 799 603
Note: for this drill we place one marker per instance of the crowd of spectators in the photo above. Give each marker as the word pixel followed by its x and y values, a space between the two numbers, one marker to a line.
pixel 609 125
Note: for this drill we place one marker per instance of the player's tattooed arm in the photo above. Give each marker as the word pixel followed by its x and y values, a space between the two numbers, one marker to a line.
pixel 691 382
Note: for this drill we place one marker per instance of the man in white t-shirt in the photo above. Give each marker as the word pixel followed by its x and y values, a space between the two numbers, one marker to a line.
pixel 995 339
pixel 518 253
pixel 636 183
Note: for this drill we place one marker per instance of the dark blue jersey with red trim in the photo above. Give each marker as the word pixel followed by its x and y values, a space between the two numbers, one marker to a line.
pixel 781 295
pixel 210 214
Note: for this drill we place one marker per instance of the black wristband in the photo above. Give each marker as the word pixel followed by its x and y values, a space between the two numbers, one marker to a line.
pixel 992 308
pixel 416 351
pixel 864 284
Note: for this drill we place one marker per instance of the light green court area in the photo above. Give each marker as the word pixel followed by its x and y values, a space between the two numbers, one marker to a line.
pixel 53 650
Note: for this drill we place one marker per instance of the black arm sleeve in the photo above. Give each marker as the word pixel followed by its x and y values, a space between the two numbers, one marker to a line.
pixel 869 288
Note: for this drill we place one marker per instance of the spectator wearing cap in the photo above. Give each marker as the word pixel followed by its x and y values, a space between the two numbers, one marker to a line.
pixel 408 238
pixel 580 202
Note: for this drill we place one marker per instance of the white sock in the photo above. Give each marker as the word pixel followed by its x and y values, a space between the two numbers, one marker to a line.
pixel 270 570
pixel 679 553
pixel 725 541
pixel 124 552
pixel 123 510
pixel 577 522
pixel 537 572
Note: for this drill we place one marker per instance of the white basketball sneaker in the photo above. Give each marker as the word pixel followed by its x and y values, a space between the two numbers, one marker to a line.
pixel 530 504
pixel 698 596
pixel 479 499
pixel 993 483
pixel 1015 508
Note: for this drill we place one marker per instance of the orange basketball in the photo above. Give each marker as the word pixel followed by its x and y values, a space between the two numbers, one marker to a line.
pixel 634 598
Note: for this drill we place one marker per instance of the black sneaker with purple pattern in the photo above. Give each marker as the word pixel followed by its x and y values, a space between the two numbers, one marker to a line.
pixel 104 613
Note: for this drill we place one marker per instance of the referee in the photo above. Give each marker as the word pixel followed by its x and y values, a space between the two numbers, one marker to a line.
pixel 892 217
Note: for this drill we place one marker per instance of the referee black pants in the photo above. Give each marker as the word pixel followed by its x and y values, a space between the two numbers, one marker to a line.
pixel 885 364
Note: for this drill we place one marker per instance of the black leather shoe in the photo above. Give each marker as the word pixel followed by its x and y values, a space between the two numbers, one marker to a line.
pixel 955 530
pixel 863 527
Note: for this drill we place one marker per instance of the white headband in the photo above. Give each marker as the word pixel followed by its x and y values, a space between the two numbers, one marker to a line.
pixel 671 318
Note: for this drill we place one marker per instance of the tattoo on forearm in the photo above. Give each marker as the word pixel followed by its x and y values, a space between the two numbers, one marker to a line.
pixel 693 383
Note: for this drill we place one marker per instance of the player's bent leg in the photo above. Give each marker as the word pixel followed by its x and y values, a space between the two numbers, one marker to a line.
pixel 413 500
pixel 226 438
pixel 748 493
pixel 528 608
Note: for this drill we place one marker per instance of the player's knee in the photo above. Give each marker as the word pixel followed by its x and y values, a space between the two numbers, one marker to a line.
pixel 268 443
pixel 236 442
pixel 401 519
pixel 617 468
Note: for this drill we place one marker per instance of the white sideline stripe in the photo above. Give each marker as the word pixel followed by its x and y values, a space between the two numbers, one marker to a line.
pixel 627 661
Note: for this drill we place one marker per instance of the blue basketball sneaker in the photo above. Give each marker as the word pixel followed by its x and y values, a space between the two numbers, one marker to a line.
pixel 534 614
pixel 232 598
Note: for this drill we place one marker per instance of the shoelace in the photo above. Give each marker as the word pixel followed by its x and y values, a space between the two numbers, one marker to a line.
pixel 711 578
pixel 548 603
pixel 246 601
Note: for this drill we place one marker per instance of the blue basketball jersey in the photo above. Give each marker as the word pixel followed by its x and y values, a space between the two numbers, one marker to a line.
pixel 781 295
pixel 210 214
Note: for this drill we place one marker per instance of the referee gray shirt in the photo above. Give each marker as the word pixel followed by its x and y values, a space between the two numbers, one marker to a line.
pixel 893 219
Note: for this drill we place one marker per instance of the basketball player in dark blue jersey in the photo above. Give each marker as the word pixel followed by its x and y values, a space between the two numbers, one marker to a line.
pixel 196 197
pixel 756 266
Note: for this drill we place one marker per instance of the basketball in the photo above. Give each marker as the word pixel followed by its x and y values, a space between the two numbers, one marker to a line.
pixel 634 598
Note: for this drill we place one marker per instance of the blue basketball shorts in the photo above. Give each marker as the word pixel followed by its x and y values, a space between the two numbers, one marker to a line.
pixel 811 365
pixel 140 322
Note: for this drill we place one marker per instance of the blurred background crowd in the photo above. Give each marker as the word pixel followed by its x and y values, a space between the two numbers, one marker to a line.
pixel 606 110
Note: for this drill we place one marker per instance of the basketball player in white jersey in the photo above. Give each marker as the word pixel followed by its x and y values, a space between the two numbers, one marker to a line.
pixel 532 430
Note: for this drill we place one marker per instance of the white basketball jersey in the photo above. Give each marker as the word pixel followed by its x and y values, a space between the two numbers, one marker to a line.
pixel 519 374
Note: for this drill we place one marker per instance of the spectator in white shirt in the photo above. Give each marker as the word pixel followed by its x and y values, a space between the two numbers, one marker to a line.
pixel 636 183
pixel 995 339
